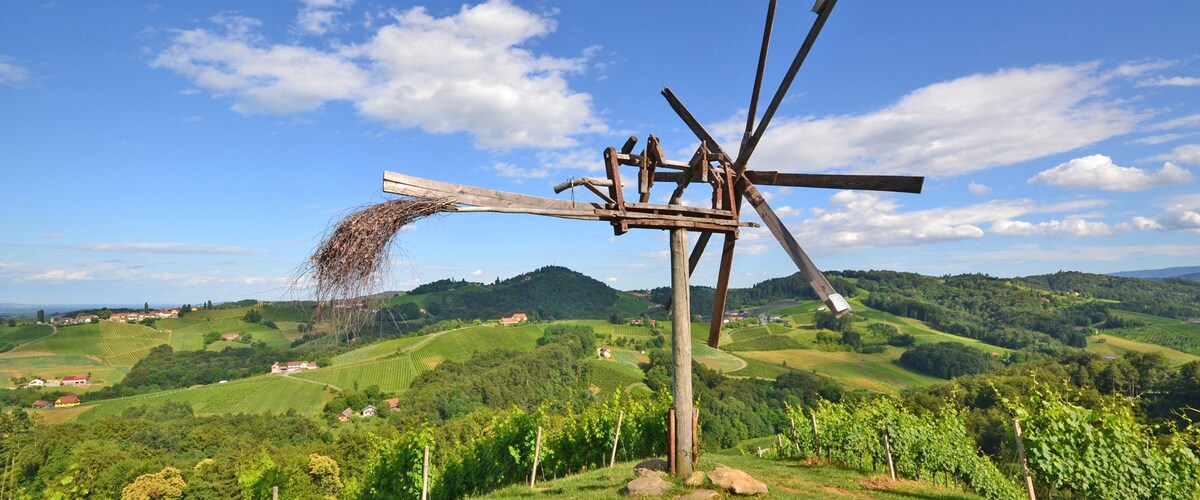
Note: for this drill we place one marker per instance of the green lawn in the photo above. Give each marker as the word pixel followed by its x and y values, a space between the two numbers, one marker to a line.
pixel 784 479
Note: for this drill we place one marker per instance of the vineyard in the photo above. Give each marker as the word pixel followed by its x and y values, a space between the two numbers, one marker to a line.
pixel 1118 346
pixel 377 350
pixel 117 344
pixel 392 374
pixel 502 453
pixel 1168 332
pixel 20 334
pixel 459 345
pixel 257 395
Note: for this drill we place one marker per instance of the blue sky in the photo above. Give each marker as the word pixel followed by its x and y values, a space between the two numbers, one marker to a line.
pixel 181 152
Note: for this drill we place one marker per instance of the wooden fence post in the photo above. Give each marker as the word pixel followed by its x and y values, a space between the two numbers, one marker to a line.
pixel 616 438
pixel 274 493
pixel 795 437
pixel 425 476
pixel 1021 457
pixel 887 445
pixel 537 452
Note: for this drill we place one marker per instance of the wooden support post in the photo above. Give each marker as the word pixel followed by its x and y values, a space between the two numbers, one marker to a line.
pixel 616 438
pixel 681 350
pixel 425 476
pixel 795 436
pixel 537 454
pixel 887 446
pixel 613 170
pixel 1021 457
pixel 816 435
pixel 671 440
pixel 274 493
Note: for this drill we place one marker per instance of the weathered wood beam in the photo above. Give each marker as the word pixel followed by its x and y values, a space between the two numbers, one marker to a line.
pixel 408 185
pixel 718 309
pixel 581 181
pixel 892 183
pixel 692 123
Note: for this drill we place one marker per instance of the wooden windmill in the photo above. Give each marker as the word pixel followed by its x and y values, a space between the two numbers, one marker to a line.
pixel 730 183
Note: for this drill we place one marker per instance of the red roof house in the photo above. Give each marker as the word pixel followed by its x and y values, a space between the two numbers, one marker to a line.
pixel 76 380
pixel 514 319
pixel 68 400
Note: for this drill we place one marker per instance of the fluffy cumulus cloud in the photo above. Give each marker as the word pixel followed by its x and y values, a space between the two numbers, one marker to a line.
pixel 954 127
pixel 1099 172
pixel 11 74
pixel 416 71
pixel 1072 226
pixel 978 189
pixel 1174 81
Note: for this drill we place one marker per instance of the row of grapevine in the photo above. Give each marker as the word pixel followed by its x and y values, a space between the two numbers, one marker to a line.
pixel 852 433
pixel 1105 452
pixel 503 452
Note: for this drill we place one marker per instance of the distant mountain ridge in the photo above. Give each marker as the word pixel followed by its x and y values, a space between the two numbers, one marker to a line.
pixel 1187 273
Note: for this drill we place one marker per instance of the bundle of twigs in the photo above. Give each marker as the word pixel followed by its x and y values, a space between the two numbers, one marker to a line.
pixel 353 257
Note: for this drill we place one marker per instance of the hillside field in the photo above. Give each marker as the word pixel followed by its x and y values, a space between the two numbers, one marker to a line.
pixel 255 395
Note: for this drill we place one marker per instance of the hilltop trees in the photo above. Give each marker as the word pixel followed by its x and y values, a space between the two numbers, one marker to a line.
pixel 948 360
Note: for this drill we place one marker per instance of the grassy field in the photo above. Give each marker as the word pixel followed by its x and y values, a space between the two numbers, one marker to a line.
pixel 16 335
pixel 609 375
pixel 873 372
pixel 1108 345
pixel 377 350
pixel 255 395
pixel 784 479
pixel 187 333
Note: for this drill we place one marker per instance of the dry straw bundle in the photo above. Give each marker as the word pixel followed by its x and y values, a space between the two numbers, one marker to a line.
pixel 353 257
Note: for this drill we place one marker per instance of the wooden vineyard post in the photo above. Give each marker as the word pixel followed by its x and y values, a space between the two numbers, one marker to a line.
pixel 795 436
pixel 816 435
pixel 695 435
pixel 425 476
pixel 887 446
pixel 681 350
pixel 274 493
pixel 537 453
pixel 1021 458
pixel 671 440
pixel 616 438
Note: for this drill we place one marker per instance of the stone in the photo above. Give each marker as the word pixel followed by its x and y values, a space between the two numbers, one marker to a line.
pixel 654 466
pixel 736 481
pixel 699 495
pixel 648 486
pixel 697 479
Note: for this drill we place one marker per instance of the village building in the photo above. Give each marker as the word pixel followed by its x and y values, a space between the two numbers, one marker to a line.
pixel 36 382
pixel 292 366
pixel 231 336
pixel 67 401
pixel 514 319
pixel 604 352
pixel 369 411
pixel 41 403
pixel 393 404
pixel 345 414
pixel 77 380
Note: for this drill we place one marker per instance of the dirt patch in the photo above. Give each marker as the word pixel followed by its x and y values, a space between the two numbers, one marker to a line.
pixel 26 354
pixel 843 492
pixel 813 462
pixel 97 359
pixel 886 483
pixel 432 362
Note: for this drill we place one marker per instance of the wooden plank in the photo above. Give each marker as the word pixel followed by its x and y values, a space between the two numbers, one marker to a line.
pixel 689 225
pixel 613 169
pixel 892 183
pixel 678 209
pixel 408 185
pixel 793 249
pixel 629 144
pixel 692 123
pixel 718 309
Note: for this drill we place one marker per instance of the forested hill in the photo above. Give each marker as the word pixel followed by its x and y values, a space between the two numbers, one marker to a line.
pixel 548 293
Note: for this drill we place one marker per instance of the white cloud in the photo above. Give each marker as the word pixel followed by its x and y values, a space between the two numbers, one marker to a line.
pixel 318 17
pixel 1071 226
pixel 60 275
pixel 978 189
pixel 1188 153
pixel 753 249
pixel 1099 172
pixel 611 279
pixel 1174 81
pixel 11 74
pixel 1158 139
pixel 419 71
pixel 787 211
pixel 954 127
pixel 167 248
pixel 1138 68
pixel 1177 123
pixel 477 272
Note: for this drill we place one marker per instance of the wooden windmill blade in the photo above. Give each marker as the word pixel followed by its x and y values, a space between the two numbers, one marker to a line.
pixel 890 183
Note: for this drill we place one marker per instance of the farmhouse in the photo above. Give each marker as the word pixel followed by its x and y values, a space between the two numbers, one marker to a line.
pixel 394 404
pixel 604 352
pixel 514 319
pixel 77 380
pixel 41 403
pixel 345 414
pixel 292 366
pixel 369 411
pixel 231 336
pixel 36 382
pixel 66 401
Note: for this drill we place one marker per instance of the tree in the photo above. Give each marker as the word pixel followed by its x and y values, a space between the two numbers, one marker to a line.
pixel 166 484
pixel 41 316
pixel 253 316
pixel 12 322
pixel 145 307
pixel 104 313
